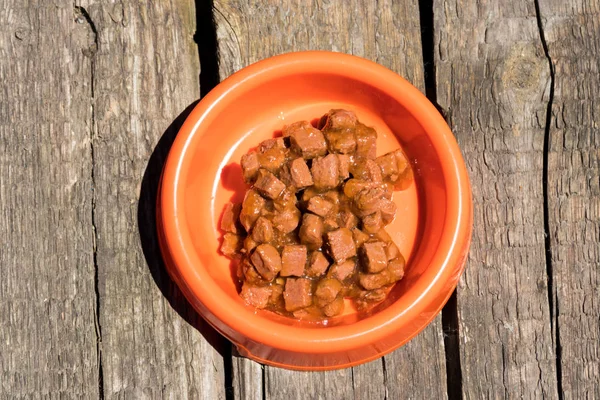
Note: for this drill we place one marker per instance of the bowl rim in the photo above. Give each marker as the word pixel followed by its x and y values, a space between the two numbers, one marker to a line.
pixel 449 259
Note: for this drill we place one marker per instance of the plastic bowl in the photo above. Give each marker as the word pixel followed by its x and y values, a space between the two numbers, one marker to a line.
pixel 202 173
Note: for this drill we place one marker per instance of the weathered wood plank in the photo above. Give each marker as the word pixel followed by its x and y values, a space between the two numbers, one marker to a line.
pixel 145 74
pixel 47 296
pixel 388 33
pixel 572 32
pixel 493 79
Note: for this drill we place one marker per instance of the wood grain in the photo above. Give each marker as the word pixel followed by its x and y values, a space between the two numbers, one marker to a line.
pixel 572 32
pixel 145 73
pixel 47 297
pixel 388 33
pixel 493 79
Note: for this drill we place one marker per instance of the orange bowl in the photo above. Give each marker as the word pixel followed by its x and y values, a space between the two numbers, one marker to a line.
pixel 202 173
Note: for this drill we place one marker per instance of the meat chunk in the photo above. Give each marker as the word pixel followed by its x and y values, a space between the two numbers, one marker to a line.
pixel 318 264
pixel 388 165
pixel 256 296
pixel 367 201
pixel 297 294
pixel 300 175
pixel 268 185
pixel 374 257
pixel 267 261
pixel 366 170
pixel 251 208
pixel 337 119
pixel 231 213
pixel 327 290
pixel 311 231
pixel 286 220
pixel 372 223
pixel 249 244
pixel 231 245
pixel 343 166
pixel 396 268
pixel 250 274
pixel 375 281
pixel 366 139
pixel 336 307
pixel 343 270
pixel 330 224
pixel 325 172
pixel 272 159
pixel 396 167
pixel 341 244
pixel 269 144
pixel 305 139
pixel 340 141
pixel 347 219
pixel 388 210
pixel 293 260
pixel 392 251
pixel 250 166
pixel 262 231
pixel 319 206
pixel 359 237
pixel 354 186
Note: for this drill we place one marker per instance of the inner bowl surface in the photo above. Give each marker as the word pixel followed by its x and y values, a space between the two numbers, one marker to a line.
pixel 432 225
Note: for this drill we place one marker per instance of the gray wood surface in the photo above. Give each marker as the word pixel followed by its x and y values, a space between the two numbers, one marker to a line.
pixel 386 32
pixel 47 297
pixel 145 73
pixel 572 33
pixel 493 79
pixel 92 94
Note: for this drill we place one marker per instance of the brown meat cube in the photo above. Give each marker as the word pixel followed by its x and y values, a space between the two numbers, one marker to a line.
pixel 338 119
pixel 256 296
pixel 268 185
pixel 262 231
pixel 325 172
pixel 250 274
pixel 366 170
pixel 286 220
pixel 388 165
pixel 332 196
pixel 375 281
pixel 336 307
pixel 374 257
pixel 359 237
pixel 305 139
pixel 300 174
pixel 354 186
pixel 392 251
pixel 267 261
pixel 276 298
pixel 251 208
pixel 275 143
pixel 344 166
pixel 388 210
pixel 343 270
pixel 249 244
pixel 318 264
pixel 347 219
pixel 272 159
pixel 372 223
pixel 341 244
pixel 231 213
pixel 369 297
pixel 396 268
pixel 330 224
pixel 311 231
pixel 250 166
pixel 383 236
pixel 366 141
pixel 231 245
pixel 293 260
pixel 327 290
pixel 367 201
pixel 319 206
pixel 297 293
pixel 340 141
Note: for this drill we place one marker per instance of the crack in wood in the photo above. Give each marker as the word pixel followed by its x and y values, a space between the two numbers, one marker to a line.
pixel 552 298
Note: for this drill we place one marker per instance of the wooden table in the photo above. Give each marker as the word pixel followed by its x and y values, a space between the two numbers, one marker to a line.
pixel 92 94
